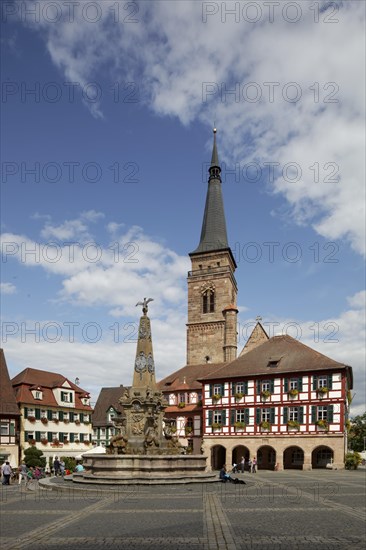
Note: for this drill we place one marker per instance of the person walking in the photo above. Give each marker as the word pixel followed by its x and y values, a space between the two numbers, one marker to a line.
pixel 242 464
pixel 22 472
pixel 254 465
pixel 7 471
pixel 62 468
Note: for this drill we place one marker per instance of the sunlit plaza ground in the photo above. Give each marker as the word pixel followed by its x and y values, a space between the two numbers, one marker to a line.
pixel 320 509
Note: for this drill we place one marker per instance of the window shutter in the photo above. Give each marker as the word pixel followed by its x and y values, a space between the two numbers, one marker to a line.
pixel 246 387
pixel 211 390
pixel 222 389
pixel 49 437
pixel 61 436
pixel 258 415
pixel 315 382
pixel 38 437
pixel 72 416
pixel 71 397
pixel 301 415
pixel 258 384
pixel 60 415
pixel 210 413
pixel 330 381
pixel 313 414
pixel 232 416
pixel 81 438
pixel 330 413
pixel 271 386
pixel 26 436
pixel 232 388
pixel 81 417
pixel 49 415
pixel 285 384
pixel 246 416
pixel 223 417
pixel 72 438
pixel 299 384
pixel 25 412
pixel 62 396
pixel 285 415
pixel 37 413
pixel 272 415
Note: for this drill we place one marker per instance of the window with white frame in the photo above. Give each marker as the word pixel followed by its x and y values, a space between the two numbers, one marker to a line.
pixel 239 387
pixel 265 386
pixel 322 413
pixel 294 383
pixel 240 416
pixel 4 429
pixel 43 435
pixel 217 389
pixel 31 412
pixel 217 417
pixel 265 415
pixel 322 382
pixel 38 395
pixel 293 414
pixel 66 397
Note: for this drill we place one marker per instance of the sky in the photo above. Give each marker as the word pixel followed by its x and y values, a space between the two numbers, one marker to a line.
pixel 107 116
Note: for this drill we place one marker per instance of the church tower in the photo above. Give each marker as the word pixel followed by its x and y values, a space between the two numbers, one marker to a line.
pixel 212 288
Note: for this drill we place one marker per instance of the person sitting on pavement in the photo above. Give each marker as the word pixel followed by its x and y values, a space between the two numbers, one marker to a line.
pixel 79 468
pixel 224 476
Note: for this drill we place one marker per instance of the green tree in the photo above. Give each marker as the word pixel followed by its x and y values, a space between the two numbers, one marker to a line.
pixel 357 433
pixel 34 457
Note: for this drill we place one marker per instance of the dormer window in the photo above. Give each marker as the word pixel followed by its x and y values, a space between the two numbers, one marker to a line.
pixel 66 397
pixel 38 395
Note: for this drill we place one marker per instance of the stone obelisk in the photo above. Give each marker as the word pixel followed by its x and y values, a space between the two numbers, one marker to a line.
pixel 144 371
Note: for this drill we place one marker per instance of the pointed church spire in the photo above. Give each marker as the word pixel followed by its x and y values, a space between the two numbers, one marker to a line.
pixel 213 234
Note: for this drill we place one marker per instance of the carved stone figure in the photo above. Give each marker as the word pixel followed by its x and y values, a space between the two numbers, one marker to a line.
pixel 144 304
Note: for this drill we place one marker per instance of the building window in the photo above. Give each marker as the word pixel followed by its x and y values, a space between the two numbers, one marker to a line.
pixel 266 386
pixel 4 429
pixel 294 382
pixel 266 415
pixel 66 397
pixel 322 413
pixel 322 382
pixel 218 389
pixel 208 301
pixel 241 416
pixel 38 395
pixel 293 414
pixel 217 417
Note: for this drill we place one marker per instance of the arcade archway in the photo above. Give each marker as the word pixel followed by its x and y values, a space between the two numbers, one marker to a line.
pixel 239 452
pixel 293 458
pixel 266 458
pixel 218 457
pixel 321 456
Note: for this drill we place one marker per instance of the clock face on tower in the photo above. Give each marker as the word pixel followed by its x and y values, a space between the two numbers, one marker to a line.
pixel 140 363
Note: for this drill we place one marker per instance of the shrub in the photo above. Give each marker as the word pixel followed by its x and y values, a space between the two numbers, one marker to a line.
pixel 352 461
pixel 34 457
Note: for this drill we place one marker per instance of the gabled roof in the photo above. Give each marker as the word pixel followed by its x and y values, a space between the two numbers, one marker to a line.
pixel 257 337
pixel 8 403
pixel 108 397
pixel 30 379
pixel 279 355
pixel 187 377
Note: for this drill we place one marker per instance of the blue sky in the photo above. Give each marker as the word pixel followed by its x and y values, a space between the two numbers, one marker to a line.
pixel 118 133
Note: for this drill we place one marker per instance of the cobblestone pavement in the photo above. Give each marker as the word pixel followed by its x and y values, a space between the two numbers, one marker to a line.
pixel 288 510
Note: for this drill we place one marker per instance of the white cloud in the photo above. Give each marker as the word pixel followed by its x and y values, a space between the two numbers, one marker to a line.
pixel 326 124
pixel 7 288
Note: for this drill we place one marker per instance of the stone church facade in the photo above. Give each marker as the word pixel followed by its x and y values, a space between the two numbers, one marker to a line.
pixel 279 400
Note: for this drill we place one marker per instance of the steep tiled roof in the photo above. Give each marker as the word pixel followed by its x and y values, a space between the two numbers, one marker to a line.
pixel 8 404
pixel 257 337
pixel 288 354
pixel 108 397
pixel 187 377
pixel 32 378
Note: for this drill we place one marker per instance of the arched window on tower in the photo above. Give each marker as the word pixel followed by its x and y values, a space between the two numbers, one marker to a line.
pixel 208 301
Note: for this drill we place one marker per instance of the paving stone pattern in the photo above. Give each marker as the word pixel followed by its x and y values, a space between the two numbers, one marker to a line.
pixel 289 510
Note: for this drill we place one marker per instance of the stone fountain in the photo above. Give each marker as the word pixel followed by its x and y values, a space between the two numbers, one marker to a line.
pixel 144 449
